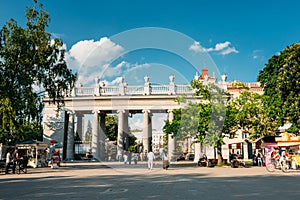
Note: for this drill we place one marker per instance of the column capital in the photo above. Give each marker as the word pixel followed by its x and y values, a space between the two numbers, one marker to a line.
pixel 79 114
pixel 146 110
pixel 121 111
pixel 170 110
pixel 95 111
pixel 70 112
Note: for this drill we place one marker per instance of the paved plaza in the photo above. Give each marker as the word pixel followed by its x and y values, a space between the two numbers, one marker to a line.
pixel 118 181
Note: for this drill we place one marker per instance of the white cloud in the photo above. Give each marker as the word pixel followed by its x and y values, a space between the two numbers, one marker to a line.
pixel 116 81
pixel 224 48
pixel 139 66
pixel 91 53
pixel 136 123
pixel 229 51
pixel 196 47
pixel 109 70
pixel 159 121
pixel 98 58
pixel 221 46
pixel 93 57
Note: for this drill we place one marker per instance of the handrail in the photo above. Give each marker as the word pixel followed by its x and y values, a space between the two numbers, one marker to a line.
pixel 124 90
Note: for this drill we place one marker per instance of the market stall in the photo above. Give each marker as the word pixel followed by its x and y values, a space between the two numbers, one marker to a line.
pixel 36 151
pixel 290 145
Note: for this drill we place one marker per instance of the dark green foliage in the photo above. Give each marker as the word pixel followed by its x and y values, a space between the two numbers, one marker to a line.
pixel 111 127
pixel 30 58
pixel 280 79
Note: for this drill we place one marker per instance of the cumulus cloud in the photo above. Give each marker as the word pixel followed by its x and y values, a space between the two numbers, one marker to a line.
pixel 223 48
pixel 116 81
pixel 110 70
pixel 229 51
pixel 93 57
pixel 91 53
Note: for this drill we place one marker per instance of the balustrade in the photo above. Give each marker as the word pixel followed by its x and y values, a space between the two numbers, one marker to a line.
pixel 133 90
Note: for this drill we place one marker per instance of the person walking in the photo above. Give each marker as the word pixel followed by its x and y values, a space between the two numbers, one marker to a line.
pixel 7 161
pixel 150 158
pixel 15 157
pixel 125 156
pixel 129 157
pixel 165 162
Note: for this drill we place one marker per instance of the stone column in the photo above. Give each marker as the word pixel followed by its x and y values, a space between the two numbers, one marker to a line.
pixel 245 150
pixel 120 145
pixel 189 143
pixel 95 135
pixel 126 130
pixel 197 151
pixel 101 148
pixel 70 140
pixel 147 131
pixel 171 139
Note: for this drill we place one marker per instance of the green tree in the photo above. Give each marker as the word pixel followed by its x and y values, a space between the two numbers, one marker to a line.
pixel 215 99
pixel 280 79
pixel 203 120
pixel 252 115
pixel 7 115
pixel 111 127
pixel 29 58
pixel 173 126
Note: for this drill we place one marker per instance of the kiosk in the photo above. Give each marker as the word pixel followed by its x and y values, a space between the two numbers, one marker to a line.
pixel 36 151
pixel 291 145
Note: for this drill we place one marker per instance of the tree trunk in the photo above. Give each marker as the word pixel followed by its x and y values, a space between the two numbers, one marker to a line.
pixel 220 157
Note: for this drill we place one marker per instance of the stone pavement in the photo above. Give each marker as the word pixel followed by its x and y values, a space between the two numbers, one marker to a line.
pixel 94 180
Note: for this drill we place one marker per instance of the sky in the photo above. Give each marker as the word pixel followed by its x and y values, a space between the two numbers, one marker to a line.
pixel 135 38
pixel 238 36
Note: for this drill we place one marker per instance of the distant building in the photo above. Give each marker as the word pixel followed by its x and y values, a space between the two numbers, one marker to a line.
pixel 157 139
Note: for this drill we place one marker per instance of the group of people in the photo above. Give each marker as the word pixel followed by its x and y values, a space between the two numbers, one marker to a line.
pixel 13 158
pixel 128 156
pixel 258 159
pixel 151 158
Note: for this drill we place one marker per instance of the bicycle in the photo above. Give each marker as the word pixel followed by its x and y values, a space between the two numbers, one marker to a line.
pixel 21 166
pixel 272 164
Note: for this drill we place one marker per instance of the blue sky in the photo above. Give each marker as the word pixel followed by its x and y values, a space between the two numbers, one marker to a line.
pixel 234 37
pixel 250 32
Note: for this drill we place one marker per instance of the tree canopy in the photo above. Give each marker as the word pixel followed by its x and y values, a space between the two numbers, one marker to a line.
pixel 252 115
pixel 30 58
pixel 280 79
